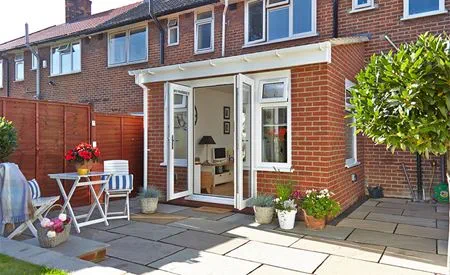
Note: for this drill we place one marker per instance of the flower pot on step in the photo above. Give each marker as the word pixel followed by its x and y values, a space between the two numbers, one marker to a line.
pixel 313 223
pixel 263 215
pixel 149 205
pixel 286 218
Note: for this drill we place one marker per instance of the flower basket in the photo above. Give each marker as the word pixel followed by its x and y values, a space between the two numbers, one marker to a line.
pixel 84 156
pixel 313 223
pixel 45 241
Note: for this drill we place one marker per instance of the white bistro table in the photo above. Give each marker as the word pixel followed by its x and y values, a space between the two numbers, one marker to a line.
pixel 80 181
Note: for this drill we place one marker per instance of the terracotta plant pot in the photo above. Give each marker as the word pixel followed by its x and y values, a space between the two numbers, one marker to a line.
pixel 84 168
pixel 313 223
pixel 263 215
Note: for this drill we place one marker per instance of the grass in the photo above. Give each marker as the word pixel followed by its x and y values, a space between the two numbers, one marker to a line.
pixel 12 266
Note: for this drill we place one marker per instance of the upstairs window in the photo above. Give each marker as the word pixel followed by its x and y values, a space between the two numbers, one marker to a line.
pixel 285 19
pixel 362 4
pixel 350 131
pixel 1 73
pixel 128 47
pixel 34 62
pixel 204 32
pixel 174 32
pixel 419 8
pixel 19 67
pixel 66 59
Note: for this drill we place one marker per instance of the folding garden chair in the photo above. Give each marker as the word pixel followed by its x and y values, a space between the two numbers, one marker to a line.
pixel 41 205
pixel 120 185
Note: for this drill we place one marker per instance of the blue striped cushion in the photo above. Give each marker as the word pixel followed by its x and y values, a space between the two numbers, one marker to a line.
pixel 35 190
pixel 120 182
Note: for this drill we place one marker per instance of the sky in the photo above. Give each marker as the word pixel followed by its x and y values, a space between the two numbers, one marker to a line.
pixel 40 14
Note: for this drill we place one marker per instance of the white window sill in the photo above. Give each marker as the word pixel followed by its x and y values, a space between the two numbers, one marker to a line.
pixel 175 44
pixel 56 75
pixel 203 52
pixel 127 63
pixel 281 40
pixel 363 9
pixel 19 80
pixel 354 164
pixel 279 168
pixel 425 14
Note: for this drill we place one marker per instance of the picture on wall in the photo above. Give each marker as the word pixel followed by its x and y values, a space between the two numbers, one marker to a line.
pixel 226 127
pixel 226 112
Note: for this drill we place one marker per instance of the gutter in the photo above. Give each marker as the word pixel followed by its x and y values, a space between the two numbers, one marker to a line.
pixel 224 23
pixel 161 32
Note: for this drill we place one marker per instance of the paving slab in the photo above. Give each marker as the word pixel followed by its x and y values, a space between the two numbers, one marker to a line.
pixel 271 270
pixel 330 231
pixel 169 208
pixel 442 247
pixel 393 240
pixel 402 219
pixel 442 224
pixel 148 231
pixel 205 241
pixel 361 215
pixel 354 250
pixel 383 210
pixel 420 231
pixel 391 200
pixel 194 262
pixel 96 234
pixel 429 213
pixel 249 220
pixel 127 266
pixel 370 202
pixel 442 208
pixel 336 265
pixel 204 225
pixel 190 212
pixel 415 260
pixel 140 251
pixel 255 234
pixel 411 206
pixel 387 227
pixel 158 218
pixel 278 256
pixel 112 224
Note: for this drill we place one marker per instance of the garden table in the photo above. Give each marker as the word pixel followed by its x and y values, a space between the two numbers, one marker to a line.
pixel 80 181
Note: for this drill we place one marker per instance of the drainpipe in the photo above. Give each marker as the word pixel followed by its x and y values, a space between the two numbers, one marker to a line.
pixel 38 59
pixel 161 31
pixel 224 17
pixel 335 18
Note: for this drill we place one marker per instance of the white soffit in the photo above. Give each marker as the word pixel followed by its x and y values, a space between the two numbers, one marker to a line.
pixel 273 59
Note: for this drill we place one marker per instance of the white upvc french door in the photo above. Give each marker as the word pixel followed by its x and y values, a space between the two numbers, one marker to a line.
pixel 244 167
pixel 179 140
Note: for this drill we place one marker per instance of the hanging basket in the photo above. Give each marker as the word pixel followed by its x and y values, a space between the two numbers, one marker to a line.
pixel 45 241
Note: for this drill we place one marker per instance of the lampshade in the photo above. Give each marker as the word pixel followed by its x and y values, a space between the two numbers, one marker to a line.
pixel 207 140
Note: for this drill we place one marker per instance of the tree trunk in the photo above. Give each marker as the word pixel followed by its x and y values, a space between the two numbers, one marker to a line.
pixel 447 162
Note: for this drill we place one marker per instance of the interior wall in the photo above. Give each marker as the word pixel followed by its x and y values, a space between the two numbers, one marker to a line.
pixel 210 102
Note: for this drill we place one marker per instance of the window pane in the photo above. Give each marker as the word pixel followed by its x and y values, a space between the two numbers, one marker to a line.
pixel 173 23
pixel 138 47
pixel 76 57
pixel 117 48
pixel 66 63
pixel 33 61
pixel 273 90
pixel 278 23
pixel 255 20
pixel 179 100
pixel 302 16
pixel 420 6
pixel 274 133
pixel 349 137
pixel 19 70
pixel 55 61
pixel 362 2
pixel 274 2
pixel 204 15
pixel 204 36
pixel 173 36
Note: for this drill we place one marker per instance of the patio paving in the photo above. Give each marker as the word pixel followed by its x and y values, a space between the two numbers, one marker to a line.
pixel 330 231
pixel 402 219
pixel 148 231
pixel 204 225
pixel 415 260
pixel 271 270
pixel 263 236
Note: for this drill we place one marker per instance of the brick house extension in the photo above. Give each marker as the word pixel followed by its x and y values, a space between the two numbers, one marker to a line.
pixel 268 87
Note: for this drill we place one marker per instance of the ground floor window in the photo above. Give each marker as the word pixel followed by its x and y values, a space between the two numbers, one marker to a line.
pixel 350 131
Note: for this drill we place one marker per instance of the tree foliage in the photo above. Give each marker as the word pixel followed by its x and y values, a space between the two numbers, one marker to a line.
pixel 402 98
pixel 8 139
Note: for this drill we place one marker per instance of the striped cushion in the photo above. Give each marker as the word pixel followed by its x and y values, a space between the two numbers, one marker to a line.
pixel 35 190
pixel 120 182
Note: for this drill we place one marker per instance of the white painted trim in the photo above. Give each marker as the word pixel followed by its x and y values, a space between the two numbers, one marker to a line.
pixel 285 2
pixel 294 37
pixel 357 7
pixel 200 22
pixel 211 199
pixel 71 58
pixel 407 16
pixel 364 9
pixel 127 46
pixel 246 34
pixel 351 162
pixel 177 27
pixel 19 60
pixel 267 60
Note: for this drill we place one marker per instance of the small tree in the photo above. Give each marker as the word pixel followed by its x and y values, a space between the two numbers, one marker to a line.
pixel 402 99
pixel 8 139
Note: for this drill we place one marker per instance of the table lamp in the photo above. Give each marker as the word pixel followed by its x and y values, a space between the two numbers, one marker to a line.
pixel 206 140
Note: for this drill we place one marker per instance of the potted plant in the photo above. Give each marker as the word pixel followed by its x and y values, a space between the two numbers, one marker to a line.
pixel 8 139
pixel 263 205
pixel 149 200
pixel 317 207
pixel 84 156
pixel 286 203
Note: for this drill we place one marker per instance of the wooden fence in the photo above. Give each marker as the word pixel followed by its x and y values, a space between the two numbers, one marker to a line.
pixel 47 130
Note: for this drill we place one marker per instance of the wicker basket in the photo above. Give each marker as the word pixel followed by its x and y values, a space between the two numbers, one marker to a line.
pixel 60 238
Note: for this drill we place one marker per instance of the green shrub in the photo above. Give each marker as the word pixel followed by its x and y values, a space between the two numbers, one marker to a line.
pixel 8 139
pixel 151 192
pixel 263 201
pixel 319 204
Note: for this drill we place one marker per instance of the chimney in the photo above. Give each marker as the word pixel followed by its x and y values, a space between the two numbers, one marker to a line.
pixel 77 9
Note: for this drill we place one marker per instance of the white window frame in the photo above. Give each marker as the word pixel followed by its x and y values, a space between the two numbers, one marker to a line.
pixel 127 46
pixel 1 73
pixel 197 23
pixel 351 162
pixel 169 29
pixel 281 3
pixel 33 61
pixel 356 6
pixel 291 36
pixel 407 16
pixel 71 57
pixel 19 60
pixel 284 98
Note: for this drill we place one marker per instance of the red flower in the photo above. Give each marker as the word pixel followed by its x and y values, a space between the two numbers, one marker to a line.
pixel 97 152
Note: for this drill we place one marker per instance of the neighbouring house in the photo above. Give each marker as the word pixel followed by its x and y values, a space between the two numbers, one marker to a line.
pixel 225 105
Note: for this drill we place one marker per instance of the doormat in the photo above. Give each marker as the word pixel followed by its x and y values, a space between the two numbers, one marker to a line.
pixel 158 218
pixel 214 210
